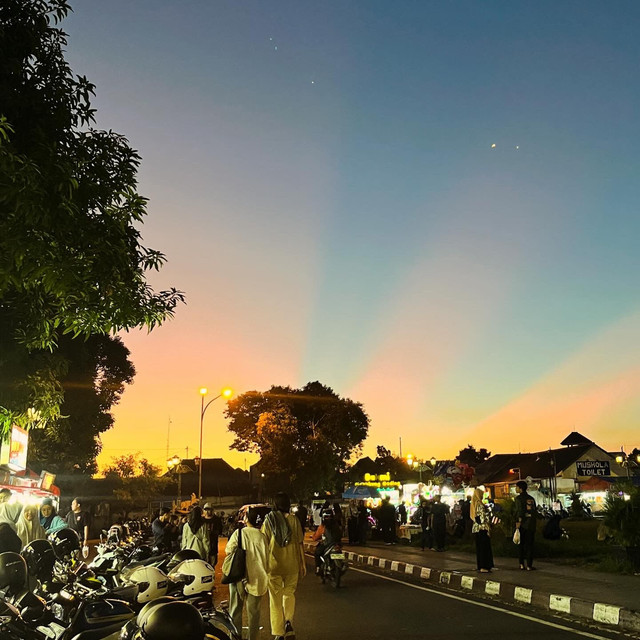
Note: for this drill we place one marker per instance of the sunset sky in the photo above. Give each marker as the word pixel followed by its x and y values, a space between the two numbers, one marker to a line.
pixel 431 207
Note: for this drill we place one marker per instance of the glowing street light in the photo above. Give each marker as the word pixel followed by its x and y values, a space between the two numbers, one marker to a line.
pixel 225 393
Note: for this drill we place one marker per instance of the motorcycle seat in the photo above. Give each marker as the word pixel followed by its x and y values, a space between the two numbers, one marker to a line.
pixel 153 560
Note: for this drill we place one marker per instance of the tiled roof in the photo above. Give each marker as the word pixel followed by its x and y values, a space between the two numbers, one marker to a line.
pixel 541 464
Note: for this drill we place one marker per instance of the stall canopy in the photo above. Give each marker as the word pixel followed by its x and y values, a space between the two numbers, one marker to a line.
pixel 360 492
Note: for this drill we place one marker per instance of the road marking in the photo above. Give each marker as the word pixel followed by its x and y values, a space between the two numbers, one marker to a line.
pixel 586 634
pixel 408 568
pixel 466 582
pixel 425 573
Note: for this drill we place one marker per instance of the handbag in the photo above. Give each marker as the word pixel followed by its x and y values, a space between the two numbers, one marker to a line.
pixel 516 536
pixel 236 568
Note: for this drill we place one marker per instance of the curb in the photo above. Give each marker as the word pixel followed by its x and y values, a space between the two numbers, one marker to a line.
pixel 611 615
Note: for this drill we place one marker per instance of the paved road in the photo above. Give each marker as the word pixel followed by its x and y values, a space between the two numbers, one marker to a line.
pixel 374 607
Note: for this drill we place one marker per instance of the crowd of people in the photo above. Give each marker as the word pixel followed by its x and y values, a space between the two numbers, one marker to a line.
pixel 21 524
pixel 273 552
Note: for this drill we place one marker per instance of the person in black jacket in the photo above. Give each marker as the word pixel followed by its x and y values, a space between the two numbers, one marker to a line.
pixel 526 516
pixel 387 521
pixel 213 522
pixel 439 513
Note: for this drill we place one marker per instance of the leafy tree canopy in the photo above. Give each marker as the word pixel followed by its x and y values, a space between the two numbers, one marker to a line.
pixel 472 457
pixel 137 480
pixel 306 435
pixel 98 369
pixel 71 260
pixel 389 462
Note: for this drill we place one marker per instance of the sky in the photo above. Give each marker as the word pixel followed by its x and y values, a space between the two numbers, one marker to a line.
pixel 431 207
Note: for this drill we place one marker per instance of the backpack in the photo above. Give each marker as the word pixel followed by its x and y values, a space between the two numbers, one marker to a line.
pixel 280 527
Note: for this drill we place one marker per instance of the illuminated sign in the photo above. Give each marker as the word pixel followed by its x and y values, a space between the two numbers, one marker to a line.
pixel 593 468
pixel 18 449
pixel 46 480
pixel 13 449
pixel 380 481
pixel 372 477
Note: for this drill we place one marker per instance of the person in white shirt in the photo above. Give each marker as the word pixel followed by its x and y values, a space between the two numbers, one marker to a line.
pixel 255 584
pixel 9 511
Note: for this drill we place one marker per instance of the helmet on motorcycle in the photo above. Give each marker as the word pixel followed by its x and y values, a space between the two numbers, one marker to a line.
pixel 181 556
pixel 13 571
pixel 195 575
pixel 40 559
pixel 152 583
pixel 171 620
pixel 65 543
pixel 141 553
pixel 115 533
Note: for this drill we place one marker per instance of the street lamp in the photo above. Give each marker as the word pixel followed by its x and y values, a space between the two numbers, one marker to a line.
pixel 623 460
pixel 226 393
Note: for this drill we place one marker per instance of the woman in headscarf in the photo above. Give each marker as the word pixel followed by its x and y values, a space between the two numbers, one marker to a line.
pixel 195 534
pixel 481 519
pixel 49 519
pixel 29 527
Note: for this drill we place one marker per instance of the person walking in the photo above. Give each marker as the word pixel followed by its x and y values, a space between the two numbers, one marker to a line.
pixel 439 513
pixel 286 565
pixel 362 523
pixel 161 530
pixel 426 539
pixel 302 513
pixel 526 515
pixel 195 534
pixel 213 523
pixel 387 516
pixel 79 521
pixel 250 590
pixel 402 513
pixel 480 529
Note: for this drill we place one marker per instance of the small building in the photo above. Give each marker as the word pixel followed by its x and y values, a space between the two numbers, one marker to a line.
pixel 579 465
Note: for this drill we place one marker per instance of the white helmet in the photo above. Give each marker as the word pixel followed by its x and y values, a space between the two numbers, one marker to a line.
pixel 196 576
pixel 152 583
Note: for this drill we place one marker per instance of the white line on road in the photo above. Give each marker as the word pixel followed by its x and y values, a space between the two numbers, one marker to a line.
pixel 586 634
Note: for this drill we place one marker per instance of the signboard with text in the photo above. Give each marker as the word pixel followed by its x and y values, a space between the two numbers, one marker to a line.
pixel 13 449
pixel 18 449
pixel 593 468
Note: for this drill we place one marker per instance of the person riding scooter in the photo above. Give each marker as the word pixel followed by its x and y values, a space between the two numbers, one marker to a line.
pixel 329 534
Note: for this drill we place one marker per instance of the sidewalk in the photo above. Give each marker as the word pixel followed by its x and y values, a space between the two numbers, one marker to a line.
pixel 605 598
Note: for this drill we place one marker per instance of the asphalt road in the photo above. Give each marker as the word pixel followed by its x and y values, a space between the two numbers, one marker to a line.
pixel 374 607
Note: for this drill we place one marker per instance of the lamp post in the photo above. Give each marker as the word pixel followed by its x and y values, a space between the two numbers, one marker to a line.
pixel 623 460
pixel 227 393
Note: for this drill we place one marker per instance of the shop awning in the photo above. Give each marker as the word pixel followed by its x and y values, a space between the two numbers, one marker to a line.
pixel 360 492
